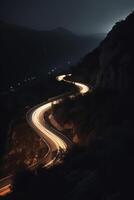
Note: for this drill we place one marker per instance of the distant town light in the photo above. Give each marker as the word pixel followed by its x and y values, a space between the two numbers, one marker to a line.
pixel 12 89
pixel 68 62
pixel 33 77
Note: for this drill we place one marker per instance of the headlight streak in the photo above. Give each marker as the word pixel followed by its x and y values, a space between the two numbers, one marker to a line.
pixel 55 143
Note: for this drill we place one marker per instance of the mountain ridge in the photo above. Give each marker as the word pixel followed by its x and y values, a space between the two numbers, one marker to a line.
pixel 32 51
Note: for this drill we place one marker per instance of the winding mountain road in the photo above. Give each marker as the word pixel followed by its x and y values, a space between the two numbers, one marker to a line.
pixel 57 143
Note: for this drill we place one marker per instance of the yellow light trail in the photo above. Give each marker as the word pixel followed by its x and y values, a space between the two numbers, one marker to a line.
pixel 82 87
pixel 5 190
pixel 54 142
pixel 35 118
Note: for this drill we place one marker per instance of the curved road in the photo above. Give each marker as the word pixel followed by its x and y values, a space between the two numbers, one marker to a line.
pixel 56 142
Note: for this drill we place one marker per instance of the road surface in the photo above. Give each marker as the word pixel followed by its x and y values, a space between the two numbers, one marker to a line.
pixel 57 143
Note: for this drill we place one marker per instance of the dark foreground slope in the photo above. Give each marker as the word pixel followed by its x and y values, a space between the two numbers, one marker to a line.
pixel 103 166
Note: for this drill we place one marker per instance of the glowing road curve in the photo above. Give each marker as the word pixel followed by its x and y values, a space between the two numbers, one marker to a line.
pixel 36 120
pixel 56 142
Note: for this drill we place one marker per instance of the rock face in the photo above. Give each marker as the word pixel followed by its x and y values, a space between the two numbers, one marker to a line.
pixel 103 168
pixel 107 113
pixel 116 56
pixel 111 65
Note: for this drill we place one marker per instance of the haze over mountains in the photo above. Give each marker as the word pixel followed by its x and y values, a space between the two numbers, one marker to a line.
pixel 26 52
pixel 102 165
pixel 111 64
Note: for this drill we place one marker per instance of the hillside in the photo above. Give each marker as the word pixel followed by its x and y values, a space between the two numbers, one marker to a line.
pixel 103 120
pixel 110 65
pixel 101 163
pixel 26 52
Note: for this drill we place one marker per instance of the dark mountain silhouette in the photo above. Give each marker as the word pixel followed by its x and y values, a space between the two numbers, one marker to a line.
pixel 103 166
pixel 26 52
pixel 106 118
pixel 61 30
pixel 111 64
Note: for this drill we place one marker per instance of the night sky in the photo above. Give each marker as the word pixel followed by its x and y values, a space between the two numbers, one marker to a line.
pixel 80 16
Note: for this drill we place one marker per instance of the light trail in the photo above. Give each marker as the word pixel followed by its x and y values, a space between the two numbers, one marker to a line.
pixel 5 190
pixel 5 185
pixel 82 87
pixel 55 143
pixel 37 121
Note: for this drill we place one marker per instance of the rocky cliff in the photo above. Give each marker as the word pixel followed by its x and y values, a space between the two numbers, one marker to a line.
pixel 111 65
pixel 102 167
